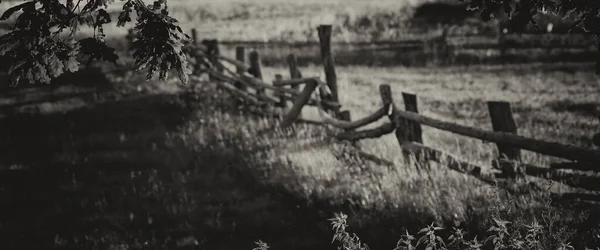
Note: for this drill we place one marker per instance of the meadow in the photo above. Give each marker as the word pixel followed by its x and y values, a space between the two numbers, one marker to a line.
pixel 121 163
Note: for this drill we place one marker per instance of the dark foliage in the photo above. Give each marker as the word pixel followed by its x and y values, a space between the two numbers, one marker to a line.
pixel 586 13
pixel 40 49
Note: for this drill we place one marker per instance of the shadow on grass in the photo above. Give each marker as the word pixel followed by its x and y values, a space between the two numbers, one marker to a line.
pixel 120 175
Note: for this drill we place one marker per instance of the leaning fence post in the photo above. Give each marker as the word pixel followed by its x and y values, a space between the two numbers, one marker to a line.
pixel 328 62
pixel 256 68
pixel 503 121
pixel 414 132
pixel 299 103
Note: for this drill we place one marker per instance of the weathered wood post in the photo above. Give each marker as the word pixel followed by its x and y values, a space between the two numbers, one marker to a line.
pixel 414 132
pixel 443 49
pixel 240 55
pixel 194 36
pixel 282 101
pixel 503 121
pixel 294 71
pixel 345 115
pixel 299 103
pixel 256 68
pixel 212 47
pixel 406 131
pixel 328 64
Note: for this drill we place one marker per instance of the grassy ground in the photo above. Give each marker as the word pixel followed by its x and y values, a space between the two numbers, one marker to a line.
pixel 141 163
pixel 150 165
pixel 117 172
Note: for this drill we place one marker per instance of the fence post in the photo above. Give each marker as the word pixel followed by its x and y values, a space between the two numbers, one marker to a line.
pixel 240 55
pixel 282 101
pixel 345 115
pixel 414 132
pixel 299 103
pixel 443 52
pixel 503 121
pixel 212 47
pixel 194 36
pixel 294 71
pixel 328 63
pixel 388 102
pixel 256 68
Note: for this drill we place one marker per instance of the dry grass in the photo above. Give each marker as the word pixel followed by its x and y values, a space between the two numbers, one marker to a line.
pixel 181 161
pixel 195 159
pixel 336 173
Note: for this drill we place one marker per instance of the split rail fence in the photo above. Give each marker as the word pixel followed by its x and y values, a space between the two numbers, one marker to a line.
pixel 582 164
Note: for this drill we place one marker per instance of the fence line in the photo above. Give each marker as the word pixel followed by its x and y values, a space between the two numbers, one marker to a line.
pixel 406 124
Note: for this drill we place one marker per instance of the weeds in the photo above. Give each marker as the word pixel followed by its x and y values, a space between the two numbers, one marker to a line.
pixel 502 234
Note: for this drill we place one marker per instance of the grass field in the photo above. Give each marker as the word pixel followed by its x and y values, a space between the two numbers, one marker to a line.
pixel 119 163
pixel 152 166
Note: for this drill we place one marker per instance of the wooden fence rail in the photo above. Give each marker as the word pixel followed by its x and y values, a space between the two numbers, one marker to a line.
pixel 406 123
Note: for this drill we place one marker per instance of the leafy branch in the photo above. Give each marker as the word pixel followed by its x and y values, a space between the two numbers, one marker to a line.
pixel 39 49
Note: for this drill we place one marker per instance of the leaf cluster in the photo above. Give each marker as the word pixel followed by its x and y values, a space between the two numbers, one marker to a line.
pixel 586 13
pixel 41 45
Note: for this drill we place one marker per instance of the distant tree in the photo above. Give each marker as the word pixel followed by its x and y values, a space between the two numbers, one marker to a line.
pixel 586 13
pixel 41 44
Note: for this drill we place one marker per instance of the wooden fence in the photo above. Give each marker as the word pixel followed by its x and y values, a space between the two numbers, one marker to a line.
pixel 405 123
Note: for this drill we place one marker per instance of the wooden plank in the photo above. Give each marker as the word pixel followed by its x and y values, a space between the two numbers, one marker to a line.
pixel 328 61
pixel 230 81
pixel 431 154
pixel 548 148
pixel 574 179
pixel 368 133
pixel 349 125
pixel 414 131
pixel 581 166
pixel 299 103
pixel 235 91
pixel 294 82
pixel 258 84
